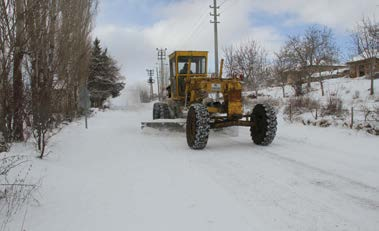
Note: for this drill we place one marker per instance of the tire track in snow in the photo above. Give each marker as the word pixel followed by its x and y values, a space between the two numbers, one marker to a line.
pixel 339 180
pixel 228 173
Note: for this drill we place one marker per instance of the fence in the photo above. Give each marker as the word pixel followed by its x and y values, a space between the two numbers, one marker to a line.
pixel 354 116
pixel 363 116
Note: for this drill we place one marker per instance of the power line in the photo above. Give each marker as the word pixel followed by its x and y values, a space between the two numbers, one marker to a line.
pixel 179 39
pixel 225 8
pixel 196 26
pixel 225 1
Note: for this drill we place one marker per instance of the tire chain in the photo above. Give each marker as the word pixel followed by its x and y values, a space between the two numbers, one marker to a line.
pixel 202 125
pixel 271 125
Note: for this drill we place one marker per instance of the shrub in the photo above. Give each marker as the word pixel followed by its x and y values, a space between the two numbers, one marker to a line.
pixel 3 144
pixel 16 191
pixel 250 103
pixel 334 106
pixel 299 105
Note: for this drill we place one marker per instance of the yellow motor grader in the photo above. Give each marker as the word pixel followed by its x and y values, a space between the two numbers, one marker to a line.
pixel 203 102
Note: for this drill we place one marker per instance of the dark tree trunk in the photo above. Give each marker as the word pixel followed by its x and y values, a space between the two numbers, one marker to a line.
pixel 372 85
pixel 372 72
pixel 18 88
pixel 322 88
pixel 298 89
pixel 4 109
pixel 18 96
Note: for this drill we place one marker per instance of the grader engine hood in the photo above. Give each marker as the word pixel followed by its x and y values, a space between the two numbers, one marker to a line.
pixel 229 89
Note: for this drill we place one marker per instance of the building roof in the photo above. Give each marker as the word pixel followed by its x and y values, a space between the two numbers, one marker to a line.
pixel 330 73
pixel 364 56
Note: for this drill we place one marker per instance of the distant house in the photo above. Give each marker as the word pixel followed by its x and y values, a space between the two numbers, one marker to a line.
pixel 360 66
pixel 320 71
pixel 337 72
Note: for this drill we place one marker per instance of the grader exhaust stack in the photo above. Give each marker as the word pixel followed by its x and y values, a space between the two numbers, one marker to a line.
pixel 192 103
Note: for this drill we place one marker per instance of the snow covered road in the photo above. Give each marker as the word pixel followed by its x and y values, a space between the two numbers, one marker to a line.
pixel 116 177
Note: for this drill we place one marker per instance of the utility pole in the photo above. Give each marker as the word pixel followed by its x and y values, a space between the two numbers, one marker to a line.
pixel 158 85
pixel 150 80
pixel 162 58
pixel 215 22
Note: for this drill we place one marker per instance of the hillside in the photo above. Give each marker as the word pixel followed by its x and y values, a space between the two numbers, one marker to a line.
pixel 342 93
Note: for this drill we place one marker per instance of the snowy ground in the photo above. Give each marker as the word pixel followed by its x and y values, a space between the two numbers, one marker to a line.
pixel 114 176
pixel 351 94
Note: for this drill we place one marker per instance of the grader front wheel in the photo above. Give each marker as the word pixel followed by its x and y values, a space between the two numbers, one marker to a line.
pixel 197 126
pixel 263 127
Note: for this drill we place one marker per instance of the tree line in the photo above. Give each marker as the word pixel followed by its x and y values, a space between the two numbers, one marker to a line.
pixel 302 55
pixel 46 56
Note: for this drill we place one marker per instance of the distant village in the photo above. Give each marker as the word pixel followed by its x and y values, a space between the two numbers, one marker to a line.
pixel 359 66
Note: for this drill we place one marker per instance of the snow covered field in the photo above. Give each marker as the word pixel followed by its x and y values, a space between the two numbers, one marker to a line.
pixel 114 176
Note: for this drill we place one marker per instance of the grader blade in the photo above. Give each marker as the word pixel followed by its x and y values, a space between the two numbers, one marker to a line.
pixel 165 124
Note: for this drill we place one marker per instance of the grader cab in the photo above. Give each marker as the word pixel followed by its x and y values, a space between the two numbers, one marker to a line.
pixel 206 102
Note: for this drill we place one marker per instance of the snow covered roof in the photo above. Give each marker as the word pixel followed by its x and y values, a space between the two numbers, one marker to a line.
pixel 329 73
pixel 364 56
pixel 316 68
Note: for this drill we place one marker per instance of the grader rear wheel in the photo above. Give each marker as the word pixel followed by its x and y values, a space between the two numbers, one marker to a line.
pixel 197 127
pixel 161 111
pixel 263 127
pixel 156 111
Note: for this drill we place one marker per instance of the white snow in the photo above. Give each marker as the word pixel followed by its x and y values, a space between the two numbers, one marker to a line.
pixel 128 98
pixel 353 93
pixel 330 73
pixel 114 176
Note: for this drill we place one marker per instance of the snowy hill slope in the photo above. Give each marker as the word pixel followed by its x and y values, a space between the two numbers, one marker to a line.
pixel 351 94
pixel 346 88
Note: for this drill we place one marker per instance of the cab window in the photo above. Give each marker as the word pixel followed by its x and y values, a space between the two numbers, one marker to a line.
pixel 198 65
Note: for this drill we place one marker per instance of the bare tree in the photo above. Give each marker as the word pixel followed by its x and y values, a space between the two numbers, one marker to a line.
pixel 250 60
pixel 366 39
pixel 7 38
pixel 58 51
pixel 231 67
pixel 18 84
pixel 322 51
pixel 52 40
pixel 294 63
pixel 42 43
pixel 280 68
pixel 75 48
pixel 41 21
pixel 308 53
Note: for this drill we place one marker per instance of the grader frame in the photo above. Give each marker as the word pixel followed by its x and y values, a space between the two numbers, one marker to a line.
pixel 208 102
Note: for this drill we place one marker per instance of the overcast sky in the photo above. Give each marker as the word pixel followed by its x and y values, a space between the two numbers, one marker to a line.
pixel 133 29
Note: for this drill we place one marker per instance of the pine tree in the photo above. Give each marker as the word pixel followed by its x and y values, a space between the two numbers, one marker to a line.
pixel 104 79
